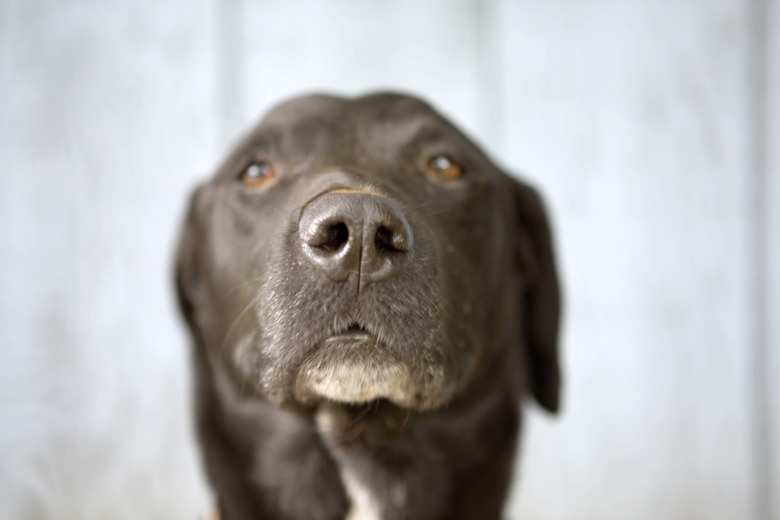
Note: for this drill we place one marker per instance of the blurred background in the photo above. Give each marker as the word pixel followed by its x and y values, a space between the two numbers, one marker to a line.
pixel 652 127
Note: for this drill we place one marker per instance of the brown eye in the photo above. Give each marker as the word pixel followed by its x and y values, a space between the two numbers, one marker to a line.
pixel 257 174
pixel 444 167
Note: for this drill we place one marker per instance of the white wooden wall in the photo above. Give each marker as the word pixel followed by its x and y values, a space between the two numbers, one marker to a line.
pixel 653 128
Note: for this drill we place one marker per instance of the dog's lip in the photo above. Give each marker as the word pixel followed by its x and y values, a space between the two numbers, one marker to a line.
pixel 353 334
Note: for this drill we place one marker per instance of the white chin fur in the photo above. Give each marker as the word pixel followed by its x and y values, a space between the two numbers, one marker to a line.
pixel 355 383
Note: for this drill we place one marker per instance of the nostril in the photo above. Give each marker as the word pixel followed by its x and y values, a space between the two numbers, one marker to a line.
pixel 327 235
pixel 389 241
pixel 336 235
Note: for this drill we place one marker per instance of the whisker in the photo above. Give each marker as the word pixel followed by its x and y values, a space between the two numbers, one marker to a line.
pixel 365 410
pixel 422 205
pixel 438 212
pixel 406 419
pixel 243 284
pixel 235 322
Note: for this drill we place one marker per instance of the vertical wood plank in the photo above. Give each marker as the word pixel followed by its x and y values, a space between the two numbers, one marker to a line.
pixel 108 116
pixel 230 66
pixel 634 119
pixel 772 204
pixel 759 203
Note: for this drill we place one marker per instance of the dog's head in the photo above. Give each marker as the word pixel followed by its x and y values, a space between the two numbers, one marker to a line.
pixel 359 249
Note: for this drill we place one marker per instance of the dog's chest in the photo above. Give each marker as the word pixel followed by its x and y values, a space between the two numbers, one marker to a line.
pixel 363 504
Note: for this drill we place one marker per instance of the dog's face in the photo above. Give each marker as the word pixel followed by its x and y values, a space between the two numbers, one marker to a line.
pixel 353 250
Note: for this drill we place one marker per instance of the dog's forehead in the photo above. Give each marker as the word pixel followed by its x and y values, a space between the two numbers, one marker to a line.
pixel 391 113
pixel 373 106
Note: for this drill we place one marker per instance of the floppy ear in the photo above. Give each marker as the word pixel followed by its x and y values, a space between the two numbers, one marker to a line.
pixel 187 275
pixel 540 296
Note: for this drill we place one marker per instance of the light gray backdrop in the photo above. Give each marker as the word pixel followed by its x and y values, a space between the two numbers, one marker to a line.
pixel 651 126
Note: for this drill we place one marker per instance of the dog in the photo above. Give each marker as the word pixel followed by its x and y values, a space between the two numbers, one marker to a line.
pixel 369 298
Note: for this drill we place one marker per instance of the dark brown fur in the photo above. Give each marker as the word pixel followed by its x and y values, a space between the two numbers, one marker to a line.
pixel 470 311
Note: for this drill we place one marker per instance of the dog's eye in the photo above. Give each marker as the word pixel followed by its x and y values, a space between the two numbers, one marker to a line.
pixel 257 174
pixel 444 167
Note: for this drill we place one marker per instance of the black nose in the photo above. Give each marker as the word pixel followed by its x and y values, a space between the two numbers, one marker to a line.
pixel 359 232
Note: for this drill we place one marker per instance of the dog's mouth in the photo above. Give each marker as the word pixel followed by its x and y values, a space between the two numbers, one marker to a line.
pixel 354 367
pixel 355 333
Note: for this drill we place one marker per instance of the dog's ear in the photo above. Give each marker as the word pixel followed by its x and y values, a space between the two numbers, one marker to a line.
pixel 540 294
pixel 187 266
